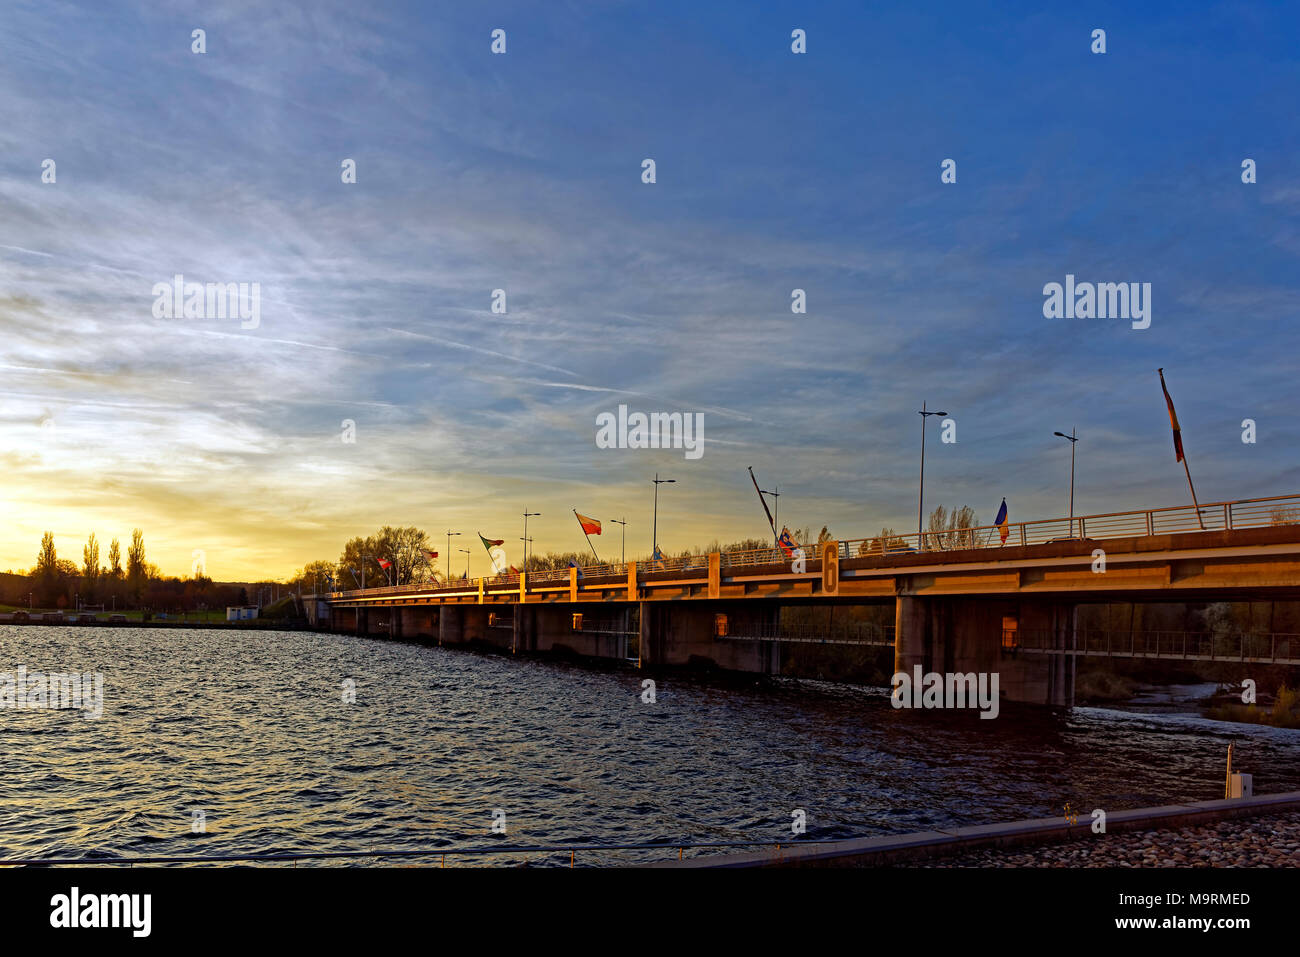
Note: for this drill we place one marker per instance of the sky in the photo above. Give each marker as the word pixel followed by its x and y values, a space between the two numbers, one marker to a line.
pixel 523 171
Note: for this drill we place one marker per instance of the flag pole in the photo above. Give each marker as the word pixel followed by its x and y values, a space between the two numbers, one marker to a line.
pixel 585 535
pixel 1199 520
pixel 1178 447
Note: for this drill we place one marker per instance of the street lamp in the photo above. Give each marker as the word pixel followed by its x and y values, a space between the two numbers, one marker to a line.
pixel 617 521
pixel 526 539
pixel 1073 439
pixel 466 551
pixel 920 497
pixel 655 533
pixel 450 533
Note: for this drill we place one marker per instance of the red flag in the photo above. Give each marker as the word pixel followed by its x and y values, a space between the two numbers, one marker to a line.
pixel 589 525
pixel 1173 420
pixel 432 555
pixel 383 563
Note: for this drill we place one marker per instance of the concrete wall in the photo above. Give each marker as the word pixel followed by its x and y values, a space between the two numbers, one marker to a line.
pixel 549 628
pixel 684 633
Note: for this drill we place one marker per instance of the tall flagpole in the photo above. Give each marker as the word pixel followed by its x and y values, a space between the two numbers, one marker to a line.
pixel 1178 446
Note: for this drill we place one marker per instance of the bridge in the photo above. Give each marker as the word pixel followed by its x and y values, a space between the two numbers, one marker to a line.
pixel 987 599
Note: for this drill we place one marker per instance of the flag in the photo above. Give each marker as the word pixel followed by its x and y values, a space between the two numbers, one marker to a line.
pixel 589 525
pixel 577 566
pixel 513 570
pixel 1173 420
pixel 430 555
pixel 658 556
pixel 489 542
pixel 1001 522
pixel 786 542
pixel 384 563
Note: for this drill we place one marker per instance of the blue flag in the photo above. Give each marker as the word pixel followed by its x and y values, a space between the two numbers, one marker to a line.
pixel 1001 521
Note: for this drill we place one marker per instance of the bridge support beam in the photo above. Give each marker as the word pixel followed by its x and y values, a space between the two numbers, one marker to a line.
pixel 962 635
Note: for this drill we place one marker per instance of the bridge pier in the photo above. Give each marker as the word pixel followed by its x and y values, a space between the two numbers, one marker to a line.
pixel 960 635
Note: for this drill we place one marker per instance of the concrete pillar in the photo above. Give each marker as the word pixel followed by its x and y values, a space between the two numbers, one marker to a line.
pixel 450 625
pixel 911 635
pixel 963 635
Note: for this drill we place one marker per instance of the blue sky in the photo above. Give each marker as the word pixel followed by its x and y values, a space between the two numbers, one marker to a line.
pixel 522 171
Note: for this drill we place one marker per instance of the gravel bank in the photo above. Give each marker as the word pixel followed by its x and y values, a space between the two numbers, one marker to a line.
pixel 1271 841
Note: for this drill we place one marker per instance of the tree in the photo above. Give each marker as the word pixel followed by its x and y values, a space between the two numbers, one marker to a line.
pixel 113 584
pixel 90 568
pixel 952 530
pixel 45 576
pixel 137 573
pixel 314 575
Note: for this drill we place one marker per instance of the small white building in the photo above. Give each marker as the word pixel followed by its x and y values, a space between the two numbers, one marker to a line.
pixel 240 612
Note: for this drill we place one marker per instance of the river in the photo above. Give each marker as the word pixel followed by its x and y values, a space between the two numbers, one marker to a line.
pixel 251 729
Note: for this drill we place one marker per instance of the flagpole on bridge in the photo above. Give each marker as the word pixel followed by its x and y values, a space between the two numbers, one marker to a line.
pixel 1179 454
pixel 585 535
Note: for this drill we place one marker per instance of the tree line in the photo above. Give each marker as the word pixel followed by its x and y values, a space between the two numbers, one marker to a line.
pixel 103 578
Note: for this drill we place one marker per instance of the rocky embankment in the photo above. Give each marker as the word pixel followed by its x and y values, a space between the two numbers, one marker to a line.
pixel 1272 841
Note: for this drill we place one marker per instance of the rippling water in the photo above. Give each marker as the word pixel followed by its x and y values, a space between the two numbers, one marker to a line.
pixel 250 728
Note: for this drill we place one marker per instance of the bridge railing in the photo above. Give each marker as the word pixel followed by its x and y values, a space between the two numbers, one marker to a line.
pixel 1215 516
pixel 1274 647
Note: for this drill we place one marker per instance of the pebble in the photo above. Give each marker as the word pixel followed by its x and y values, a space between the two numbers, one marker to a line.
pixel 1272 841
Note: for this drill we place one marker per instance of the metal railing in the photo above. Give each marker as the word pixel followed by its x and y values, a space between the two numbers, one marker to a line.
pixel 853 633
pixel 1216 516
pixel 387 854
pixel 1280 648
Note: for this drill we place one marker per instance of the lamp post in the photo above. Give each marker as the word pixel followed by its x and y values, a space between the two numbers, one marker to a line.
pixel 920 497
pixel 655 532
pixel 617 521
pixel 450 533
pixel 1073 439
pixel 526 539
pixel 466 551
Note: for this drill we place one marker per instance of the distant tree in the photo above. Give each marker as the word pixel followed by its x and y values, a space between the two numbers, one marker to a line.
pixel 45 576
pixel 137 572
pixel 312 575
pixel 114 577
pixel 90 569
pixel 405 547
pixel 357 553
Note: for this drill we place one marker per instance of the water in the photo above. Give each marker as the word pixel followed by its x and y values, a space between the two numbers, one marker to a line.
pixel 250 728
